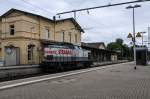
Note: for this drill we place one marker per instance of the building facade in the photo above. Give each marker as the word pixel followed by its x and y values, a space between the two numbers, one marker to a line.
pixel 22 34
pixel 99 53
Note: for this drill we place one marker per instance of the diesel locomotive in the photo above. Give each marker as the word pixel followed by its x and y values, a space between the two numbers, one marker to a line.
pixel 58 56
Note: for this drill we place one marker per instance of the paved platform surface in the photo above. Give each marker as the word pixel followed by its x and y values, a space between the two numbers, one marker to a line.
pixel 120 81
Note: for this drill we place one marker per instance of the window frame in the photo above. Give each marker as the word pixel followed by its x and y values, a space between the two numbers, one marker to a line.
pixel 46 33
pixel 62 36
pixel 76 38
pixel 70 40
pixel 12 29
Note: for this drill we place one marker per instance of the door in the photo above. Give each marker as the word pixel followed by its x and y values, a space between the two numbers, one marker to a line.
pixel 11 56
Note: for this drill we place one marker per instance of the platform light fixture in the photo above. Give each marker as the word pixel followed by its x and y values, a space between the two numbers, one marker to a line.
pixel 134 46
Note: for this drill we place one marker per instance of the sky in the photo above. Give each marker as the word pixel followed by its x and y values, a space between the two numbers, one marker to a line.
pixel 101 25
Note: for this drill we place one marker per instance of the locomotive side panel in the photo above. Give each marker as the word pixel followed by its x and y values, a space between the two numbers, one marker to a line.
pixel 55 54
pixel 60 56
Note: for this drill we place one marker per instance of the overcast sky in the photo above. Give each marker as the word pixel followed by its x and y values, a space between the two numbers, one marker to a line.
pixel 105 25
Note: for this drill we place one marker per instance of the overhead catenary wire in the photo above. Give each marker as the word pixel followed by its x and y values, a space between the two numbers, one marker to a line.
pixel 48 12
pixel 104 6
pixel 34 7
pixel 16 4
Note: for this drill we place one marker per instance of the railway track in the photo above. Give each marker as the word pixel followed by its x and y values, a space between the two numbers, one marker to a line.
pixel 9 78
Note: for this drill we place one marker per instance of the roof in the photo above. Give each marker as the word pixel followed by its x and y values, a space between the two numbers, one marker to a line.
pixel 47 42
pixel 12 10
pixel 74 22
pixel 71 19
pixel 90 47
pixel 94 45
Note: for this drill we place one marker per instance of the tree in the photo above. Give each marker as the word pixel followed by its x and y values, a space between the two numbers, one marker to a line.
pixel 119 41
pixel 123 50
pixel 113 46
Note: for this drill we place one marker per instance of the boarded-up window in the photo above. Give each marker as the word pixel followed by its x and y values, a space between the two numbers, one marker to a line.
pixel 46 33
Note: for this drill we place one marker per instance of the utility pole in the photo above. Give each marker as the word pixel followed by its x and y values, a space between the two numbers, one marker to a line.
pixel 149 38
pixel 54 19
pixel 74 15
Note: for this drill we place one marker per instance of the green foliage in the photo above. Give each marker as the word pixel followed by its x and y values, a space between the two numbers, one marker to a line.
pixel 119 41
pixel 113 46
pixel 124 52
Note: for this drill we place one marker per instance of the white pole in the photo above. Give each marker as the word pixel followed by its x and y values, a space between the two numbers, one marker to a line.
pixel 148 38
pixel 134 42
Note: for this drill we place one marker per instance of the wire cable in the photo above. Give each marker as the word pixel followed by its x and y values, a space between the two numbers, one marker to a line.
pixel 36 6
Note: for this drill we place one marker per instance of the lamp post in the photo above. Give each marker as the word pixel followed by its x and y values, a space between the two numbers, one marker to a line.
pixel 148 38
pixel 133 7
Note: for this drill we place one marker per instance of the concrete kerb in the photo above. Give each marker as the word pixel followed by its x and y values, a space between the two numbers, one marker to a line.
pixel 109 63
pixel 55 77
pixel 18 67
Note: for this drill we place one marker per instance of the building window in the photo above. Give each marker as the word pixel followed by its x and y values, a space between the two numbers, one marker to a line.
pixel 0 33
pixel 29 53
pixel 12 29
pixel 76 38
pixel 62 36
pixel 46 33
pixel 70 37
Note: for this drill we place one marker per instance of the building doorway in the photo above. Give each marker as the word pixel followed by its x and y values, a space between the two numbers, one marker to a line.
pixel 12 56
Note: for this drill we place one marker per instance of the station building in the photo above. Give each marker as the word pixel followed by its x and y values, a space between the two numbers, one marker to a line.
pixel 22 35
pixel 99 53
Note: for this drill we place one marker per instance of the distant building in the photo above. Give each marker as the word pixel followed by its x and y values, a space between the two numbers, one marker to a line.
pixel 99 53
pixel 98 45
pixel 22 35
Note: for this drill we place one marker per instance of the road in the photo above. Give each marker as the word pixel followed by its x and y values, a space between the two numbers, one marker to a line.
pixel 119 81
